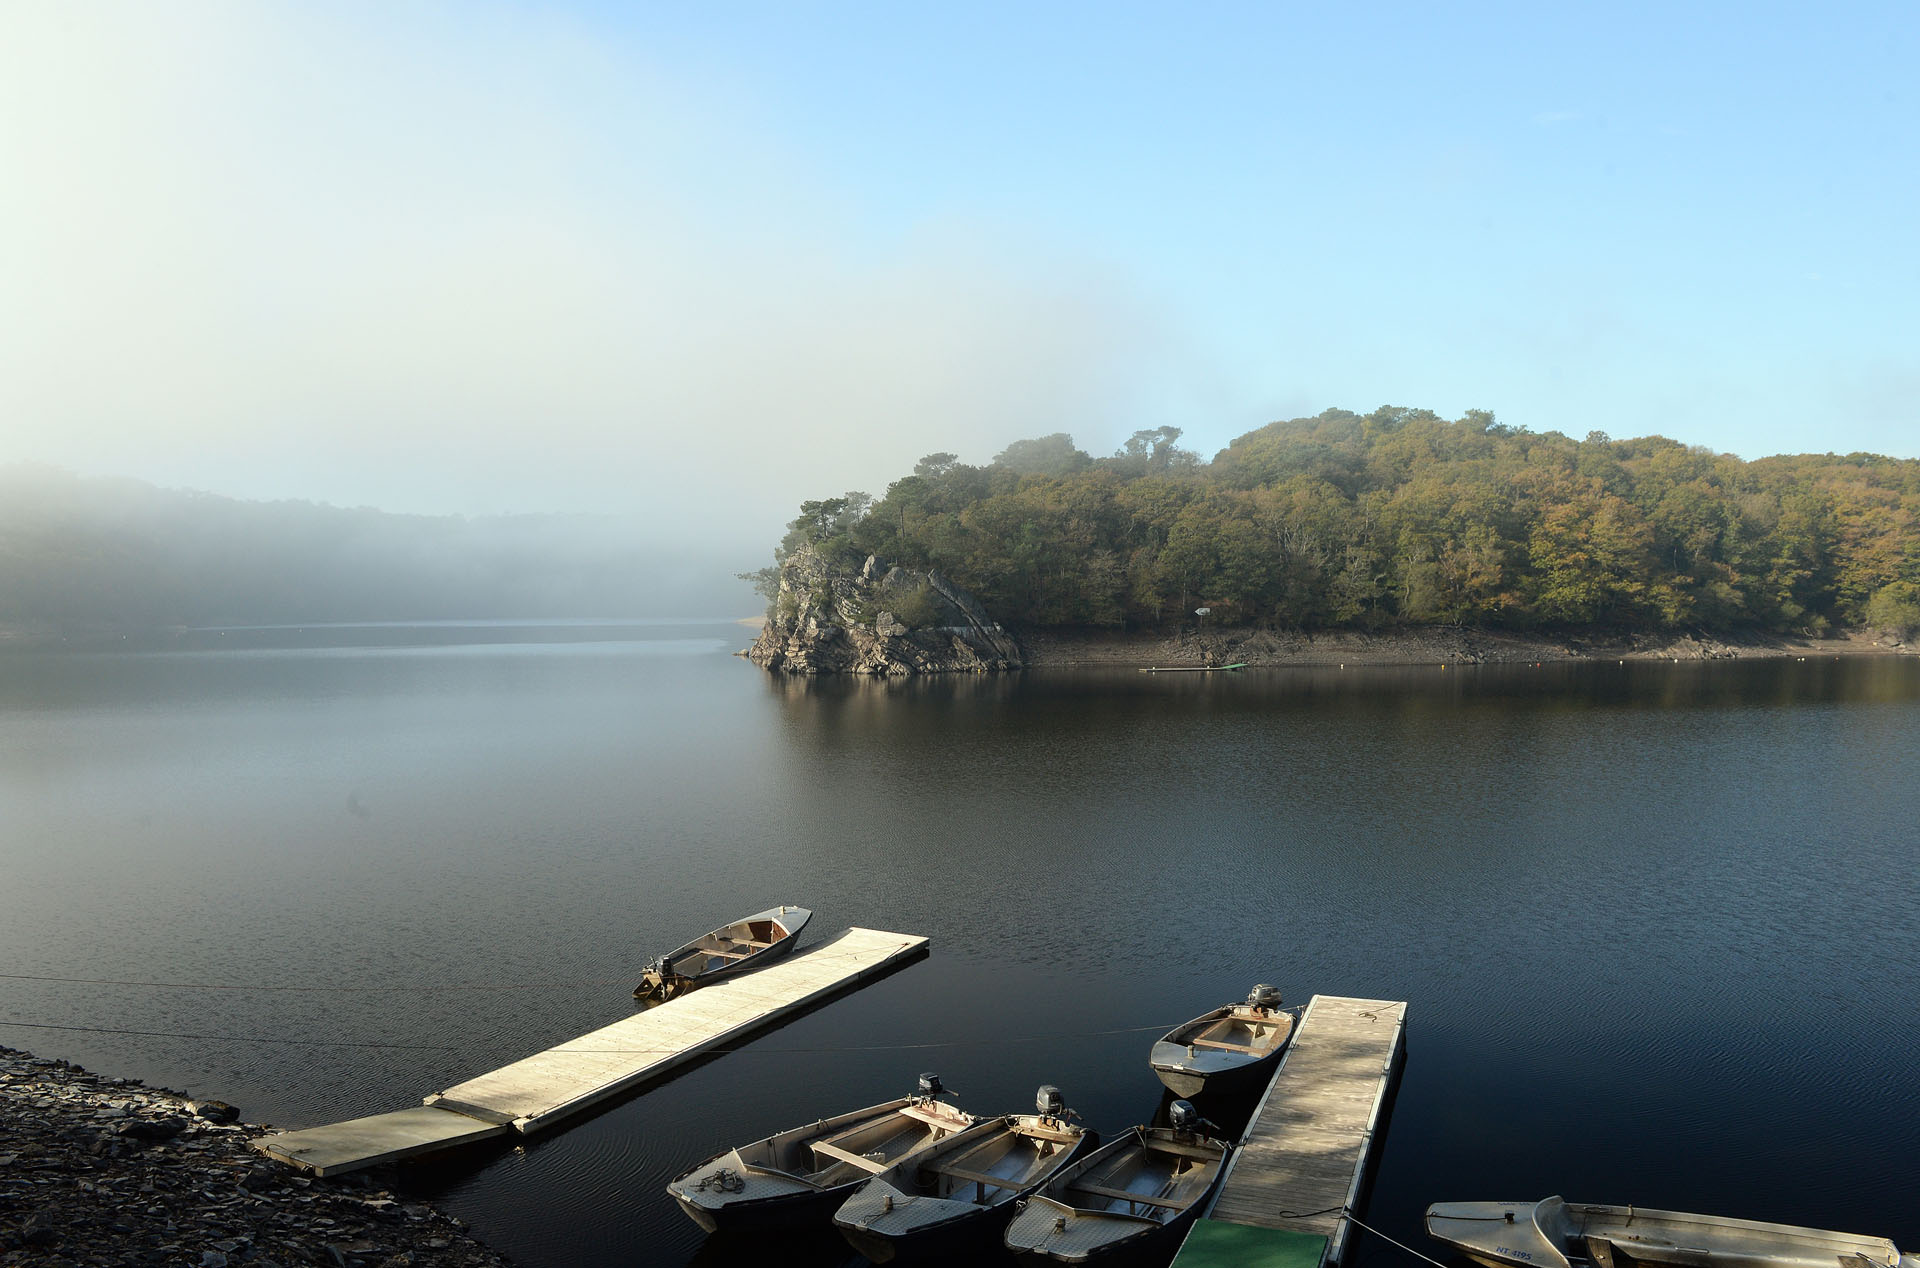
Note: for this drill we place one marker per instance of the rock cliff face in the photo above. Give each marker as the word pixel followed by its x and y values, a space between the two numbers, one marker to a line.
pixel 878 620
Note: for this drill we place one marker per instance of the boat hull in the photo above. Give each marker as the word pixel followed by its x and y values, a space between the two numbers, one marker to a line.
pixel 1150 1244
pixel 965 1238
pixel 917 1211
pixel 1553 1233
pixel 1140 1172
pixel 1230 1051
pixel 1236 1081
pixel 770 1214
pixel 801 1176
pixel 767 936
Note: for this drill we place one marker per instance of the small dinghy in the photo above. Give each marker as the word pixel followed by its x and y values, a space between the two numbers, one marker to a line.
pixel 1557 1234
pixel 1130 1199
pixel 802 1175
pixel 955 1197
pixel 1230 1050
pixel 735 948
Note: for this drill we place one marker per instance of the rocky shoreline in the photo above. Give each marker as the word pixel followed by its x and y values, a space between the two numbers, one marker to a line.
pixel 98 1171
pixel 1428 645
pixel 878 619
pixel 828 617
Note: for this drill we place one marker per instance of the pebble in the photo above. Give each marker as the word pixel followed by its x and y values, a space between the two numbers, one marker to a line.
pixel 98 1171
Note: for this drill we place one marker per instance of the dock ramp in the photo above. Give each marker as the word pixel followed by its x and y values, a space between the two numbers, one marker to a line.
pixel 1308 1143
pixel 539 1092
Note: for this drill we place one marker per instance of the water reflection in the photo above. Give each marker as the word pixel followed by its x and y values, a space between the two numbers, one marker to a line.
pixel 1657 923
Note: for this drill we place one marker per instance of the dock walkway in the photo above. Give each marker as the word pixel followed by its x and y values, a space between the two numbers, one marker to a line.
pixel 1300 1167
pixel 538 1092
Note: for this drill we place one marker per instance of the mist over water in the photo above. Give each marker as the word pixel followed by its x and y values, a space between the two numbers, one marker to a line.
pixel 1656 923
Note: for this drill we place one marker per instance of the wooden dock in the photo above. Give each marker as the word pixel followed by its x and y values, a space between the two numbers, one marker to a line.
pixel 1300 1167
pixel 540 1091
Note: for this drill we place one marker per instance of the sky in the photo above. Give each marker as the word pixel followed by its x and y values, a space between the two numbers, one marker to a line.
pixel 697 263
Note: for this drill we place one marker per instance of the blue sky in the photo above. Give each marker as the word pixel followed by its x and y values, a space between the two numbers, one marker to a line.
pixel 1680 218
pixel 714 259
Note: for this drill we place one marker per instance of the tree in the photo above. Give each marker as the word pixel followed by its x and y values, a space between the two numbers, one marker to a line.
pixel 1401 515
pixel 1895 608
pixel 1052 455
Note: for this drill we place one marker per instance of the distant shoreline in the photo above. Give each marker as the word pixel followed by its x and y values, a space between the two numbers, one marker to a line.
pixel 1053 647
pixel 1050 648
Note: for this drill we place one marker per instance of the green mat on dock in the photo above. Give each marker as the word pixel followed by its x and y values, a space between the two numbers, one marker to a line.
pixel 1218 1244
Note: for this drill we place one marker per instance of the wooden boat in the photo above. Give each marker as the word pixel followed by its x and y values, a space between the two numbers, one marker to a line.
pixel 801 1176
pixel 955 1197
pixel 1229 1050
pixel 1126 1201
pixel 1558 1234
pixel 745 944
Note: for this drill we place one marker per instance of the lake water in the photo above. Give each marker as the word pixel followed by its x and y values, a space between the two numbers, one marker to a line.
pixel 1658 924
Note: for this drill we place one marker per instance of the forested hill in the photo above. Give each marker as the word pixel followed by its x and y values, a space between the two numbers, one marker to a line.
pixel 1400 517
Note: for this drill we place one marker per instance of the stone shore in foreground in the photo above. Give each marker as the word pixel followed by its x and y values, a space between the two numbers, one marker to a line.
pixel 97 1171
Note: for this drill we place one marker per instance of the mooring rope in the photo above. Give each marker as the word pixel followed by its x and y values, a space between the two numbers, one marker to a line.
pixel 1402 1245
pixel 629 1052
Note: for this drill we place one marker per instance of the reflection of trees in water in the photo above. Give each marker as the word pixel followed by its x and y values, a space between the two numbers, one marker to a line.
pixel 883 690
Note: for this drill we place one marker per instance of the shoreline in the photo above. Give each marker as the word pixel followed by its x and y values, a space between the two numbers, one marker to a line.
pixel 102 1171
pixel 1052 648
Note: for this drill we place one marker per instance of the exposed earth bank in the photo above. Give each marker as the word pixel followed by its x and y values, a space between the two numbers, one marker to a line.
pixel 97 1171
pixel 1057 648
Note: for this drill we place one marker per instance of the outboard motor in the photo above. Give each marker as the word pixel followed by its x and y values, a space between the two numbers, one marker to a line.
pixel 1050 1103
pixel 1263 997
pixel 653 980
pixel 1186 1120
pixel 930 1085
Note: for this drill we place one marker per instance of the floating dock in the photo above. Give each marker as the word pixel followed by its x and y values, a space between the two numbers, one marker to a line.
pixel 1298 1173
pixel 538 1092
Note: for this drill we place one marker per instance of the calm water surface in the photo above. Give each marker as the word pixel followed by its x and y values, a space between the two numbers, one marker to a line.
pixel 1658 925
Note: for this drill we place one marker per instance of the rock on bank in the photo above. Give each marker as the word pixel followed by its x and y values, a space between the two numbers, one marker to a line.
pixel 99 1171
pixel 877 620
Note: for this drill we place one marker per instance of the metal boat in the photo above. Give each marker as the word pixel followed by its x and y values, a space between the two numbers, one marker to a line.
pixel 1229 1050
pixel 801 1176
pixel 955 1197
pixel 1131 1199
pixel 1554 1233
pixel 745 944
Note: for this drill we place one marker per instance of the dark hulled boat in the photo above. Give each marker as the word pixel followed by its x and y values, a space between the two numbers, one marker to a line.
pixel 745 944
pixel 954 1198
pixel 802 1175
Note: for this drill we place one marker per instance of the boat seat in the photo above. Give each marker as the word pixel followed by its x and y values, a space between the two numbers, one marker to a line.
pixel 1047 1134
pixel 928 1117
pixel 974 1177
pixel 718 954
pixel 1106 1191
pixel 1228 1047
pixel 872 1165
pixel 1180 1149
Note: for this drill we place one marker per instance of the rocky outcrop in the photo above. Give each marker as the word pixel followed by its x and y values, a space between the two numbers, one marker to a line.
pixel 97 1171
pixel 877 620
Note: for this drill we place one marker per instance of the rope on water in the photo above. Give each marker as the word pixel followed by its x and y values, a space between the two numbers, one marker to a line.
pixel 1402 1245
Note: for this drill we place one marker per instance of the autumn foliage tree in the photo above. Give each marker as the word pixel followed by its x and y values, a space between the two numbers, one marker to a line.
pixel 1401 517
